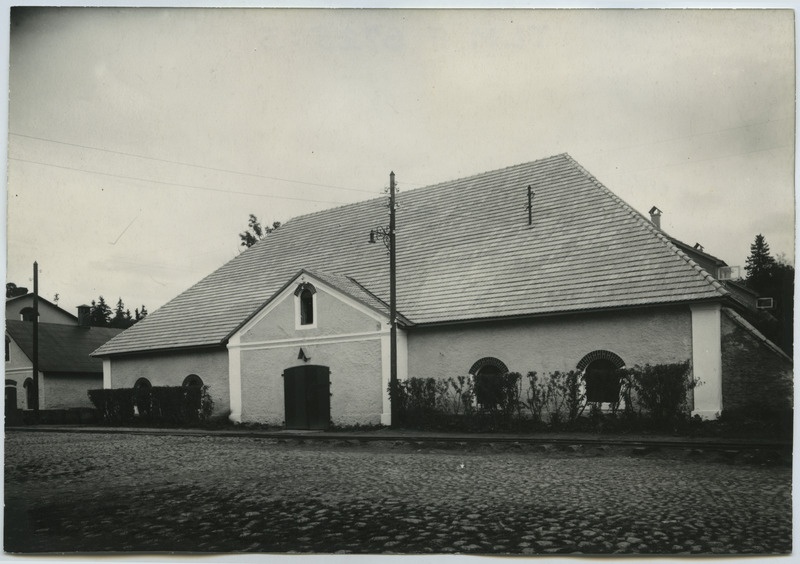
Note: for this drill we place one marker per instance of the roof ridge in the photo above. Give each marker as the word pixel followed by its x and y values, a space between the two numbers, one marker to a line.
pixel 426 186
pixel 491 171
pixel 641 220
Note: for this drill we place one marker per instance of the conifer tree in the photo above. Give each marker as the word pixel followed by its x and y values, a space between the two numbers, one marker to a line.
pixel 122 318
pixel 760 264
pixel 100 313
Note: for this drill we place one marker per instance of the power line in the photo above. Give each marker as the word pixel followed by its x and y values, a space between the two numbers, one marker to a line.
pixel 163 183
pixel 254 175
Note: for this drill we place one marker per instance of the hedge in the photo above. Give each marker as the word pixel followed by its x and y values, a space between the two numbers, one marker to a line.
pixel 159 405
pixel 653 396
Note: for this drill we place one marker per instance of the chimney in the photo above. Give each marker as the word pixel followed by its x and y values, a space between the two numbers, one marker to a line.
pixel 83 315
pixel 655 217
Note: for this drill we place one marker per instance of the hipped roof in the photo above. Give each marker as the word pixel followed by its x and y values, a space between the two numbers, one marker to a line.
pixel 62 348
pixel 465 252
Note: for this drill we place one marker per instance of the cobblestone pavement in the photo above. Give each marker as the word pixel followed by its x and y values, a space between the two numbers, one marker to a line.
pixel 68 492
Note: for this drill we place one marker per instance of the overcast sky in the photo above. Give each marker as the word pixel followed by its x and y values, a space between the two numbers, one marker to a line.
pixel 141 139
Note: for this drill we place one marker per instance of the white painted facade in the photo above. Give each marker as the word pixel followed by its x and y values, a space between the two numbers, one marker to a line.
pixel 353 341
pixel 707 359
pixel 349 337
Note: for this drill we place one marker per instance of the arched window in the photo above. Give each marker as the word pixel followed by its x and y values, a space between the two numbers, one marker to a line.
pixel 602 377
pixel 30 394
pixel 487 372
pixel 193 381
pixel 306 305
pixel 142 384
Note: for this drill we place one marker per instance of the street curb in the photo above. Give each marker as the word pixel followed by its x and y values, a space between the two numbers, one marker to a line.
pixel 654 442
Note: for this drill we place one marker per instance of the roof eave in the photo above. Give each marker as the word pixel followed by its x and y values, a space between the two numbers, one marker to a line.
pixel 219 345
pixel 523 316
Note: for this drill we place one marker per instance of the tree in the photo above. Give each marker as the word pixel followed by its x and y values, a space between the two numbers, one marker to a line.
pixel 782 290
pixel 759 265
pixel 12 290
pixel 771 278
pixel 122 317
pixel 100 313
pixel 255 231
pixel 140 314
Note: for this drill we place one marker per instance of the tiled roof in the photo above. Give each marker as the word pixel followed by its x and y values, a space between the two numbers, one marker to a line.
pixel 356 291
pixel 465 251
pixel 62 348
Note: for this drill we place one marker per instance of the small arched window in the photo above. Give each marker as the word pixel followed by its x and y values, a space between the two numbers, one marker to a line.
pixel 488 382
pixel 142 384
pixel 193 381
pixel 602 376
pixel 306 305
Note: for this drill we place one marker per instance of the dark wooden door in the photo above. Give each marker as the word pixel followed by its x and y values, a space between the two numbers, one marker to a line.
pixel 11 398
pixel 307 398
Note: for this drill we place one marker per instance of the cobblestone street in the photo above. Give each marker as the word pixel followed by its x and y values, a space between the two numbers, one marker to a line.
pixel 115 492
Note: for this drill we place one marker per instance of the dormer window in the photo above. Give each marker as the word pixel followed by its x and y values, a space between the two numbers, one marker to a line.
pixel 306 306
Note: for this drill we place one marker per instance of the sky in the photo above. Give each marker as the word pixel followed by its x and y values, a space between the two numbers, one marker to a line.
pixel 140 139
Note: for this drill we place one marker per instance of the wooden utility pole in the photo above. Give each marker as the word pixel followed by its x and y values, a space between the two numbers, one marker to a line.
pixel 35 358
pixel 392 298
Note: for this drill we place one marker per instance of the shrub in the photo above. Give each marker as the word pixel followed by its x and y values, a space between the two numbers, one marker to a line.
pixel 414 400
pixel 758 419
pixel 455 396
pixel 498 392
pixel 172 405
pixel 539 395
pixel 662 390
pixel 464 389
pixel 115 407
pixel 568 396
pixel 509 396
